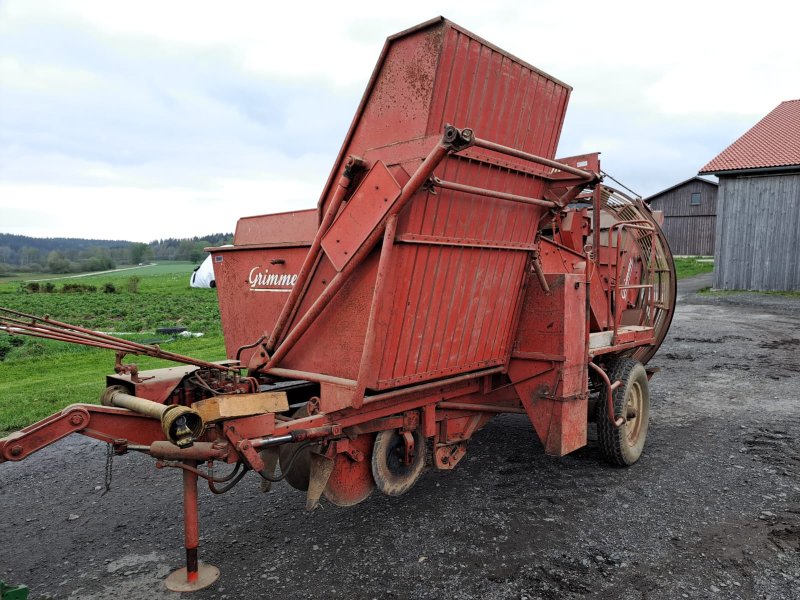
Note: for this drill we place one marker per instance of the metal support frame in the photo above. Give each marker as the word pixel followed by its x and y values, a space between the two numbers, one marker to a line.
pixel 610 387
pixel 308 376
pixel 195 575
pixel 553 164
pixel 102 423
pixel 451 140
pixel 312 258
pixel 485 408
pixel 372 345
pixel 470 189
pixel 614 287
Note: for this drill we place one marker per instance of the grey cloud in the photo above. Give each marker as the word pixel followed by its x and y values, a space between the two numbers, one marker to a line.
pixel 649 153
pixel 159 110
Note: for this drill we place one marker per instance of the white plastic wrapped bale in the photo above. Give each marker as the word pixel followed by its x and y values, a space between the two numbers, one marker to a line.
pixel 203 276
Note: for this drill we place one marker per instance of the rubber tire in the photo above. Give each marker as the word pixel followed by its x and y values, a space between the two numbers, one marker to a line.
pixel 613 441
pixel 398 480
pixel 300 472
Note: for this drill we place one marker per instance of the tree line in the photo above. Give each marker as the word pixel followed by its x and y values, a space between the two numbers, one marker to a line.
pixel 71 255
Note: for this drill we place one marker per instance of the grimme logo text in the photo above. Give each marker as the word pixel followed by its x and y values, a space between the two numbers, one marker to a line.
pixel 264 281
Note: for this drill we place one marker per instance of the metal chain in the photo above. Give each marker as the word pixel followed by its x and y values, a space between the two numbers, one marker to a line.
pixel 109 465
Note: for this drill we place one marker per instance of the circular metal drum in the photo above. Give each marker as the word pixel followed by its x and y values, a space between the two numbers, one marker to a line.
pixel 656 257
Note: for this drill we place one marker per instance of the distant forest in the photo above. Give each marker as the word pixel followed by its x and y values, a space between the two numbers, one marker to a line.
pixel 19 253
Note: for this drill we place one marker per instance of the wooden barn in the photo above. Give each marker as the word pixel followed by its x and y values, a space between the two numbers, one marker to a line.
pixel 758 209
pixel 690 213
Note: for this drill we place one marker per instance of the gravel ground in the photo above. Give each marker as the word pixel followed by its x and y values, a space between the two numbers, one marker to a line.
pixel 712 510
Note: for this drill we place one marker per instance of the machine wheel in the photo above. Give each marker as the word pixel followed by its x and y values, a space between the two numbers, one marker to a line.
pixel 393 476
pixel 623 445
pixel 299 473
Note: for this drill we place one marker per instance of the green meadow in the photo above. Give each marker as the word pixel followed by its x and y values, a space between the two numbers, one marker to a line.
pixel 689 266
pixel 39 377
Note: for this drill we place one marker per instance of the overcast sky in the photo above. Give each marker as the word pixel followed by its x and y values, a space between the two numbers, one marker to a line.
pixel 144 120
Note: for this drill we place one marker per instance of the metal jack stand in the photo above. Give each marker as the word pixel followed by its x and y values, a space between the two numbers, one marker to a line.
pixel 195 575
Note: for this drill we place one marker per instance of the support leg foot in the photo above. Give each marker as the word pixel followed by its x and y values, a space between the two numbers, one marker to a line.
pixel 177 581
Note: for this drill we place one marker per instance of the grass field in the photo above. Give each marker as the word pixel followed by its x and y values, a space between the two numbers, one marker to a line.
pixel 688 266
pixel 127 269
pixel 38 377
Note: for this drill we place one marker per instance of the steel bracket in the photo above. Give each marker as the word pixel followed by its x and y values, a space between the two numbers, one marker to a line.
pixel 245 448
pixel 35 437
pixel 410 421
pixel 409 450
pixel 447 456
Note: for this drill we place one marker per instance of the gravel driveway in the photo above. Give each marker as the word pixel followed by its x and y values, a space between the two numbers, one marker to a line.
pixel 712 510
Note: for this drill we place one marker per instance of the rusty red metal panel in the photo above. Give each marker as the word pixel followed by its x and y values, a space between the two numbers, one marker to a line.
pixel 438 73
pixel 252 286
pixel 334 342
pixel 503 98
pixel 553 325
pixel 449 305
pixel 297 226
pixel 458 301
pixel 367 206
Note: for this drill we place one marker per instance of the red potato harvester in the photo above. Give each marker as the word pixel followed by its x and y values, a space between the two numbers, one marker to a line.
pixel 452 271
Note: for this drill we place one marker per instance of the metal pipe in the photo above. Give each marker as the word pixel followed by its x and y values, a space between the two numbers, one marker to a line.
pixel 115 396
pixel 533 158
pixel 366 366
pixel 181 425
pixel 416 181
pixel 201 451
pixel 307 376
pixel 487 408
pixel 32 332
pixel 298 435
pixel 309 264
pixel 469 189
pixel 537 268
pixel 45 331
pixel 65 329
pixel 596 198
pixel 191 524
pixel 610 387
pixel 620 226
pixel 432 385
pixel 277 440
pixel 194 576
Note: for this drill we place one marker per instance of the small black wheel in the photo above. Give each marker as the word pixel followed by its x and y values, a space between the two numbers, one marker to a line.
pixel 299 471
pixel 393 476
pixel 623 445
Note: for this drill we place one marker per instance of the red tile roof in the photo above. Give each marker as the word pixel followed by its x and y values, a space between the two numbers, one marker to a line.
pixel 772 142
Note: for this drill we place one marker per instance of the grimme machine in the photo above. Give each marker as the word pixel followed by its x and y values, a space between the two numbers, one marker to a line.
pixel 452 271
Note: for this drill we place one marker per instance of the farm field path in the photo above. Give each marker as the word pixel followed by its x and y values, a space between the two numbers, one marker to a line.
pixel 94 273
